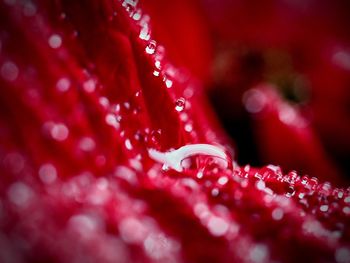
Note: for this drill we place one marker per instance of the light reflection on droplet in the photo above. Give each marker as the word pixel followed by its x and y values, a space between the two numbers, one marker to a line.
pixel 132 230
pixel 63 84
pixel 48 173
pixel 258 253
pixel 128 144
pixel 188 127
pixel 180 104
pixel 87 144
pixel 145 32
pixel 324 208
pixel 55 41
pixel 20 194
pixel 84 225
pixel 217 226
pixel 59 132
pixel 89 86
pixel 151 47
pixel 112 121
pixel 168 83
pixel 277 214
pixel 254 100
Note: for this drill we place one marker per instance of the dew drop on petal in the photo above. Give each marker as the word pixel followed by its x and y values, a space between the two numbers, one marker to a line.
pixel 277 214
pixel 89 86
pixel 9 71
pixel 20 194
pixel 180 104
pixel 258 253
pixel 223 180
pixel 47 173
pixel 63 84
pixel 151 47
pixel 132 230
pixel 254 100
pixel 168 83
pixel 55 41
pixel 128 144
pixel 145 32
pixel 84 225
pixel 87 144
pixel 137 15
pixel 324 208
pixel 112 121
pixel 346 210
pixel 347 200
pixel 217 226
pixel 59 132
pixel 188 127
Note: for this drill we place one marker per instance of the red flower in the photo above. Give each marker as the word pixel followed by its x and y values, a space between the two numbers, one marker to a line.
pixel 110 154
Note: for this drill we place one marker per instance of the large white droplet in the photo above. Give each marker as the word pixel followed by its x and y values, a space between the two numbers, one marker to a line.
pixel 55 41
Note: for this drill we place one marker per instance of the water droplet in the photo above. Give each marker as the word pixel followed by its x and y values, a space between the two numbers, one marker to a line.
pixel 156 73
pixel 180 104
pixel 132 230
pixel 217 226
pixel 128 144
pixel 223 180
pixel 87 144
pixel 63 84
pixel 59 132
pixel 89 86
pixel 137 15
pixel 168 83
pixel 151 47
pixel 47 173
pixel 55 41
pixel 215 192
pixel 188 93
pixel 254 100
pixel 104 101
pixel 259 253
pixel 260 185
pixel 277 214
pixel 346 210
pixel 112 121
pixel 145 33
pixel 84 225
pixel 290 191
pixel 20 194
pixel 347 200
pixel 200 174
pixel 9 71
pixel 188 127
pixel 324 208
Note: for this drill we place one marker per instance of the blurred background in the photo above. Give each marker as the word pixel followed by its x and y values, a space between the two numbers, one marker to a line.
pixel 277 73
